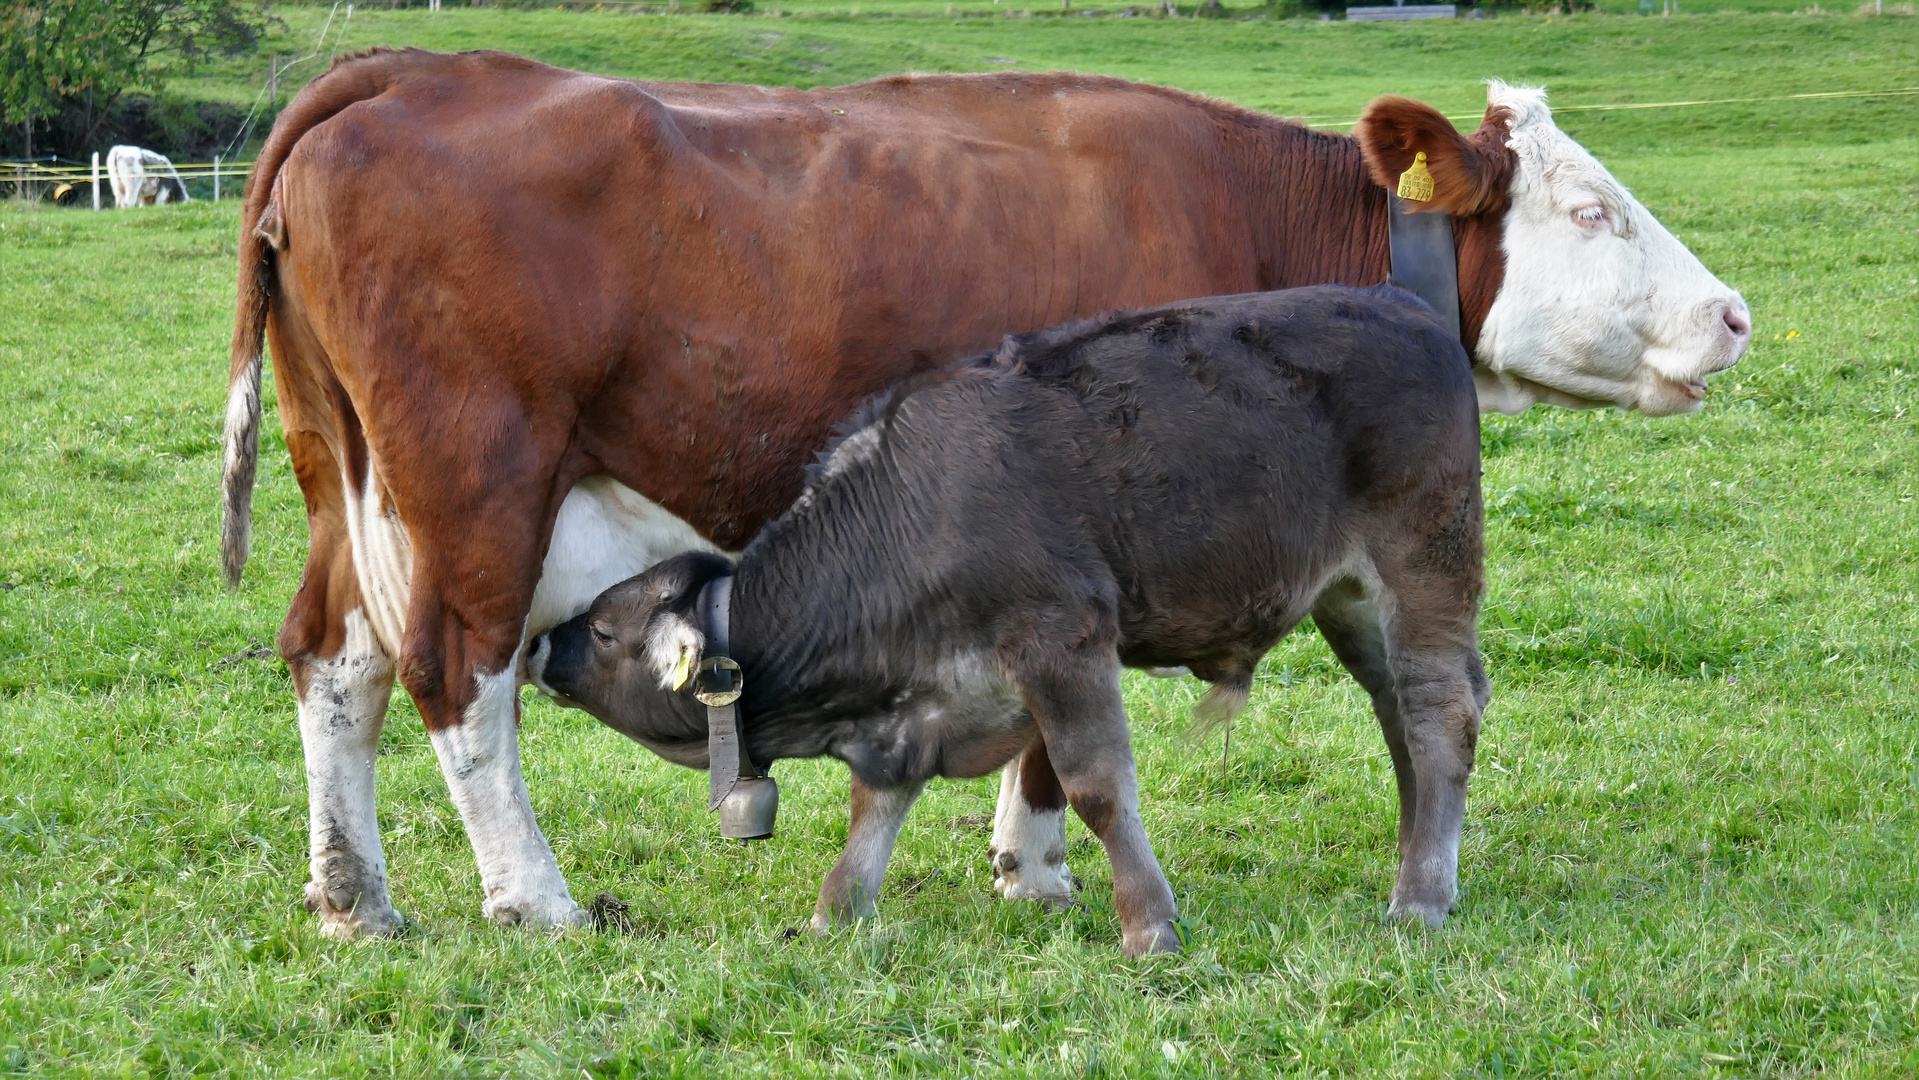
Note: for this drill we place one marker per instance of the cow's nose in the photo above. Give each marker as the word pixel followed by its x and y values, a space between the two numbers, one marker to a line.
pixel 1738 323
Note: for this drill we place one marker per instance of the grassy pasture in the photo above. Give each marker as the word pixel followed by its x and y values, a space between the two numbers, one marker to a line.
pixel 1691 842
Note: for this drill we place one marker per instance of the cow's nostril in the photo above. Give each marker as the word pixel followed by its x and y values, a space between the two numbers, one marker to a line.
pixel 1736 321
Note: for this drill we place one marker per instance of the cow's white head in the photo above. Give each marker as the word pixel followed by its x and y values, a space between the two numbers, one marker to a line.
pixel 1597 304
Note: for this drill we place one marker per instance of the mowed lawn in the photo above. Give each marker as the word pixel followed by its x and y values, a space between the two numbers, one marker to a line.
pixel 1691 841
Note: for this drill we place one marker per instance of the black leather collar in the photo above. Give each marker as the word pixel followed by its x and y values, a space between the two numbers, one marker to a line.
pixel 1425 259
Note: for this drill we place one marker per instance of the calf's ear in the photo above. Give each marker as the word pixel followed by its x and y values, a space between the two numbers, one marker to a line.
pixel 674 649
pixel 1471 174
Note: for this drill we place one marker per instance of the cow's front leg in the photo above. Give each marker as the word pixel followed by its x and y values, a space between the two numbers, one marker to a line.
pixel 343 700
pixel 1028 851
pixel 480 757
pixel 853 885
pixel 1083 720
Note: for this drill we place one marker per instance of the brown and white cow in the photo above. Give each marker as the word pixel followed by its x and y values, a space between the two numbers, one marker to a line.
pixel 508 381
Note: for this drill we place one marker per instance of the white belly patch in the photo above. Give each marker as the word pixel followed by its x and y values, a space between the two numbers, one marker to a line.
pixel 605 533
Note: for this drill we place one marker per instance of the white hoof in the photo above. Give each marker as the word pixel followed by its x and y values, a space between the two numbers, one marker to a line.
pixel 536 913
pixel 365 919
pixel 1046 879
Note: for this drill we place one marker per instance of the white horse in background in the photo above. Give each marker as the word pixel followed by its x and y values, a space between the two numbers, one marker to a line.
pixel 143 178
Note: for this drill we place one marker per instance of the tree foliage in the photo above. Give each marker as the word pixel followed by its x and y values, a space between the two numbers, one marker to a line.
pixel 54 52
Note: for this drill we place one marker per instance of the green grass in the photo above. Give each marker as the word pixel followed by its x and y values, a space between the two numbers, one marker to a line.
pixel 1691 841
pixel 1294 68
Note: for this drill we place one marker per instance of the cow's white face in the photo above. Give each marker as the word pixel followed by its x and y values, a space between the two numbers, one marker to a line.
pixel 1600 304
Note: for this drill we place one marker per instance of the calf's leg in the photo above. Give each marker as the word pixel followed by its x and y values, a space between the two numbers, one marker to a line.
pixel 1411 640
pixel 1083 721
pixel 1352 624
pixel 853 886
pixel 1442 694
pixel 1028 852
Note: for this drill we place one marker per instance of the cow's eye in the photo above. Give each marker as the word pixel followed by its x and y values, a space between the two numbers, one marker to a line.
pixel 1591 217
pixel 600 637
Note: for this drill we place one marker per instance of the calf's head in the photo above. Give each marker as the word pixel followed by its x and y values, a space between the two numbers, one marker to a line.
pixel 1596 303
pixel 629 659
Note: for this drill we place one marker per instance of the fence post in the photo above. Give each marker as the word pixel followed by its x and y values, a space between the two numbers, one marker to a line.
pixel 96 179
pixel 216 178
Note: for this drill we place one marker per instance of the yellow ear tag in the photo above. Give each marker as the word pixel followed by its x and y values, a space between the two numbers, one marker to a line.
pixel 1416 183
pixel 684 669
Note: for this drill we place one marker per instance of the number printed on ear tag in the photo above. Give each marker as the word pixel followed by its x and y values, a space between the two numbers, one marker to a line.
pixel 1416 183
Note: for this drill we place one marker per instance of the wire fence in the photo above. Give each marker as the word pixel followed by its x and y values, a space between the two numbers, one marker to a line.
pixel 63 180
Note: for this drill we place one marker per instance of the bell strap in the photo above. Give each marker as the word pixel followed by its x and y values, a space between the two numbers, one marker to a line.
pixel 718 684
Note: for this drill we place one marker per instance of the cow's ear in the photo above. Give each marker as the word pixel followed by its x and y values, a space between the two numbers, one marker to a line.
pixel 1470 174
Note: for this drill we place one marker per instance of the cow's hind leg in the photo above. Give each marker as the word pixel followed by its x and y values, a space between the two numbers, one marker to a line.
pixel 343 700
pixel 853 886
pixel 467 600
pixel 343 677
pixel 1028 852
pixel 479 755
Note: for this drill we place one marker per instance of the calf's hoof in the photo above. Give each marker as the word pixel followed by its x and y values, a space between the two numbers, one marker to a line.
pixel 536 912
pixel 1046 881
pixel 344 918
pixel 1430 913
pixel 824 924
pixel 1158 938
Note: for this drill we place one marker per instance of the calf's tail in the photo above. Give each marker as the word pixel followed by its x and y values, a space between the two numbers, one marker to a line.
pixel 262 233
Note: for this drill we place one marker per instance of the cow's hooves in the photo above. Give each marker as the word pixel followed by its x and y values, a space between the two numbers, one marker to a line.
pixel 362 920
pixel 1163 938
pixel 537 913
pixel 1050 884
pixel 1051 901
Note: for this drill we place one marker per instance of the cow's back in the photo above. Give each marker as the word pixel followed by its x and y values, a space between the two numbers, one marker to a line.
pixel 737 261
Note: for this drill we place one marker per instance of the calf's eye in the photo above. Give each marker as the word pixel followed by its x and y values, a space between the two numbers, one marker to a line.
pixel 600 637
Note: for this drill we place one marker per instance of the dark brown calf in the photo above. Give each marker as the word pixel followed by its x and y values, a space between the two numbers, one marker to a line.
pixel 985 548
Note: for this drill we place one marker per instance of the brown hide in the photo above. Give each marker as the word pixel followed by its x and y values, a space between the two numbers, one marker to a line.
pixel 491 278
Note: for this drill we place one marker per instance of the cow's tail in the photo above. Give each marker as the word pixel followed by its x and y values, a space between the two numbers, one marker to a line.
pixel 262 233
